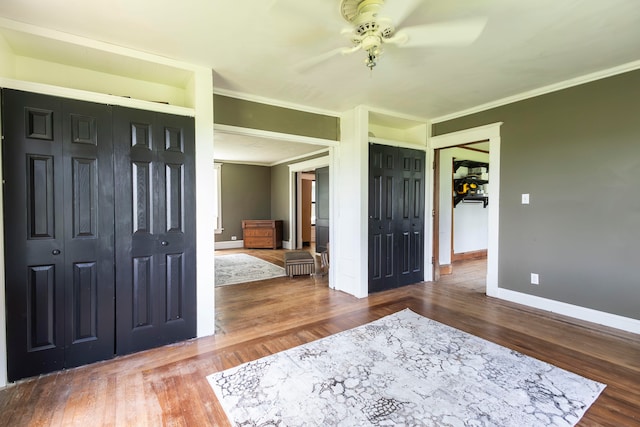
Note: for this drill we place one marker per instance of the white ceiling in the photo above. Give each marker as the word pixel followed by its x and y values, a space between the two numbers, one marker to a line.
pixel 254 46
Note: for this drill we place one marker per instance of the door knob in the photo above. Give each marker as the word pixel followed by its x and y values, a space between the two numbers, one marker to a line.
pixel 56 252
pixel 164 243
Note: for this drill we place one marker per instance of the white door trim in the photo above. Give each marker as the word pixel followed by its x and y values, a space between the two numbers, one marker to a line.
pixel 489 133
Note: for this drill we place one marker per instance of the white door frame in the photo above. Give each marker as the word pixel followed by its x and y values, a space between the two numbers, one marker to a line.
pixel 491 133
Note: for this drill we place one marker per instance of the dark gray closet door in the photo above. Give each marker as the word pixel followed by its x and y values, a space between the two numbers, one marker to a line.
pixel 322 209
pixel 383 255
pixel 58 232
pixel 396 217
pixel 155 229
pixel 410 215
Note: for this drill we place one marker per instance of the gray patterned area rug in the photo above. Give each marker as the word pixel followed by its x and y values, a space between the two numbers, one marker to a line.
pixel 240 268
pixel 403 369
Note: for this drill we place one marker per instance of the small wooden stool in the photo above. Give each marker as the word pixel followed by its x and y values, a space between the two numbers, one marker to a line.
pixel 297 263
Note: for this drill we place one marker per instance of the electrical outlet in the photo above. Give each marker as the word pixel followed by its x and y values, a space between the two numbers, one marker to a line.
pixel 525 199
pixel 234 237
pixel 535 279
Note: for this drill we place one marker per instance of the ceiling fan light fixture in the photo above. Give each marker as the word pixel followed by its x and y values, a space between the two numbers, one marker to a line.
pixel 378 22
pixel 371 59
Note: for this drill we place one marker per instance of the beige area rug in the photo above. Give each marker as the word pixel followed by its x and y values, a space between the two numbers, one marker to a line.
pixel 407 370
pixel 240 268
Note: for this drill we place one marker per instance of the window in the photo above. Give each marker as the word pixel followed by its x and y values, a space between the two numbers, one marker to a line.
pixel 217 197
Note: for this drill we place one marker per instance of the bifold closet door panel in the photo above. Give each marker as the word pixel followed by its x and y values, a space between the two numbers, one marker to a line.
pixel 155 229
pixel 58 233
pixel 383 239
pixel 89 232
pixel 396 216
pixel 410 215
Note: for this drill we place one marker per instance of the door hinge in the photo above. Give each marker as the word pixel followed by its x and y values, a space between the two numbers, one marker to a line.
pixel 433 260
pixel 433 212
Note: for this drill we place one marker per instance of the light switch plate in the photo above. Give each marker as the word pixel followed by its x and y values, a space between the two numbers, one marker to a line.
pixel 525 199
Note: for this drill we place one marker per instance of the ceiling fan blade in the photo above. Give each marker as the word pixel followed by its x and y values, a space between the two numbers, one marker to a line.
pixel 398 10
pixel 452 33
pixel 312 62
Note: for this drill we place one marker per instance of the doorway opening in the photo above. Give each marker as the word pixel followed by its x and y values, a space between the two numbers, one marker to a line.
pixel 489 135
pixel 305 209
pixel 463 196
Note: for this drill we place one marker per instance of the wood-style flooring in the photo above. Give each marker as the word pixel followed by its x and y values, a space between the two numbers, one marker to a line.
pixel 167 386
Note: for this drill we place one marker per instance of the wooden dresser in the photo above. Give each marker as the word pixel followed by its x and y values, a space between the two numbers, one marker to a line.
pixel 262 233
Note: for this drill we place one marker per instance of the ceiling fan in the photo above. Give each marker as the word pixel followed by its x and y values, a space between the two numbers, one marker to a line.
pixel 376 23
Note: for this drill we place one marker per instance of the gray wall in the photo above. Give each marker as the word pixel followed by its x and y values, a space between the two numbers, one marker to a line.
pixel 577 152
pixel 246 194
pixel 280 196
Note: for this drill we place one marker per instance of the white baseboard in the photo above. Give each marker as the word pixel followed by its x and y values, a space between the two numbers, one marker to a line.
pixel 286 244
pixel 577 312
pixel 230 244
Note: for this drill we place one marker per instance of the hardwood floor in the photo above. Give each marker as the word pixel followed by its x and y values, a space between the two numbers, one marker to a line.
pixel 167 386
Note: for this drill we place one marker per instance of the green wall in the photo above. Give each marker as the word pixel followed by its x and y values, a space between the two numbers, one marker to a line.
pixel 246 194
pixel 238 112
pixel 577 153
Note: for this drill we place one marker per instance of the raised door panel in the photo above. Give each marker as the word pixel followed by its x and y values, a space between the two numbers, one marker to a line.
pixel 174 306
pixel 40 197
pixel 142 291
pixel 84 197
pixel 83 313
pixel 41 315
pixel 174 179
pixel 141 193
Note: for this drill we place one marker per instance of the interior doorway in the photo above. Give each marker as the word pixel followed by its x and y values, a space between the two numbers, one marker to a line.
pixel 300 172
pixel 489 134
pixel 463 193
pixel 305 209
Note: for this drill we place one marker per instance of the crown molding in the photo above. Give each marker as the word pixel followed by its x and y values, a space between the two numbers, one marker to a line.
pixel 598 75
